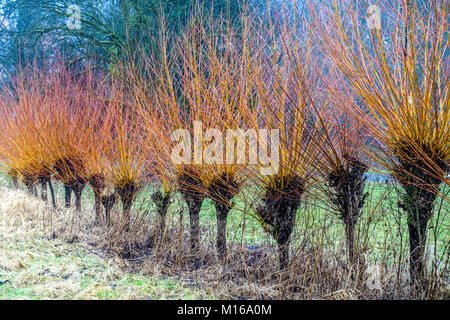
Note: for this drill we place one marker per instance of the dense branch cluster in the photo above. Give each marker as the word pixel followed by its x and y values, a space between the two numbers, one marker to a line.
pixel 335 94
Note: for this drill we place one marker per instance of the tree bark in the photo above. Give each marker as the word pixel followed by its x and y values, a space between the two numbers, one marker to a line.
pixel 15 182
pixel 420 191
pixel 221 240
pixel 280 216
pixel 108 203
pixel 162 225
pixel 162 203
pixel 78 191
pixel 418 203
pixel 97 183
pixel 127 202
pixel 108 209
pixel 126 193
pixel 194 217
pixel 417 241
pixel 97 206
pixel 52 193
pixel 67 196
pixel 44 190
pixel 283 241
pixel 351 246
pixel 34 191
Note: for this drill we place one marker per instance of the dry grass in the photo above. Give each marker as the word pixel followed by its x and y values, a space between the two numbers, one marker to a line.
pixel 49 254
pixel 63 254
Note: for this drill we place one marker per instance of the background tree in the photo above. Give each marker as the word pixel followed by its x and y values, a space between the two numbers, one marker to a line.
pixel 109 30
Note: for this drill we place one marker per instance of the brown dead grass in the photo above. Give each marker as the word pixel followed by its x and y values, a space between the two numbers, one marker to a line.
pixel 52 254
pixel 249 273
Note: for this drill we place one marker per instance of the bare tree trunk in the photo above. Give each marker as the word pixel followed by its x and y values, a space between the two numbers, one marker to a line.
pixel 162 225
pixel 420 191
pixel 283 236
pixel 77 200
pixel 34 191
pixel 351 245
pixel 97 183
pixel 279 212
pixel 347 183
pixel 14 174
pixel 194 217
pixel 283 251
pixel 97 206
pixel 193 192
pixel 78 190
pixel 221 240
pixel 15 182
pixel 44 190
pixel 31 187
pixel 127 194
pixel 126 214
pixel 417 241
pixel 108 203
pixel 67 196
pixel 162 205
pixel 108 209
pixel 52 193
pixel 418 203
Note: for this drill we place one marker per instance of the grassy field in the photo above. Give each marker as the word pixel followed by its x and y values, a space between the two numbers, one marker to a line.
pixel 39 268
pixel 37 264
pixel 381 225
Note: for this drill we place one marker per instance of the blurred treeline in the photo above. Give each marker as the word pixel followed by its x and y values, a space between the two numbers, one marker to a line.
pixel 32 31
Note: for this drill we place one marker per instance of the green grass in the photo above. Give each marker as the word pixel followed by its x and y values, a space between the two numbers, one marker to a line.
pixel 381 221
pixel 39 268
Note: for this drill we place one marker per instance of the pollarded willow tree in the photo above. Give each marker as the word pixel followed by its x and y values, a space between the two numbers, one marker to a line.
pixel 219 92
pixel 72 112
pixel 343 165
pixel 395 57
pixel 100 150
pixel 156 91
pixel 285 90
pixel 203 97
pixel 128 152
pixel 151 101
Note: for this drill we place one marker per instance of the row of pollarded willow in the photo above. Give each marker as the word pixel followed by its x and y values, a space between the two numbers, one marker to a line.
pixel 73 127
pixel 117 133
